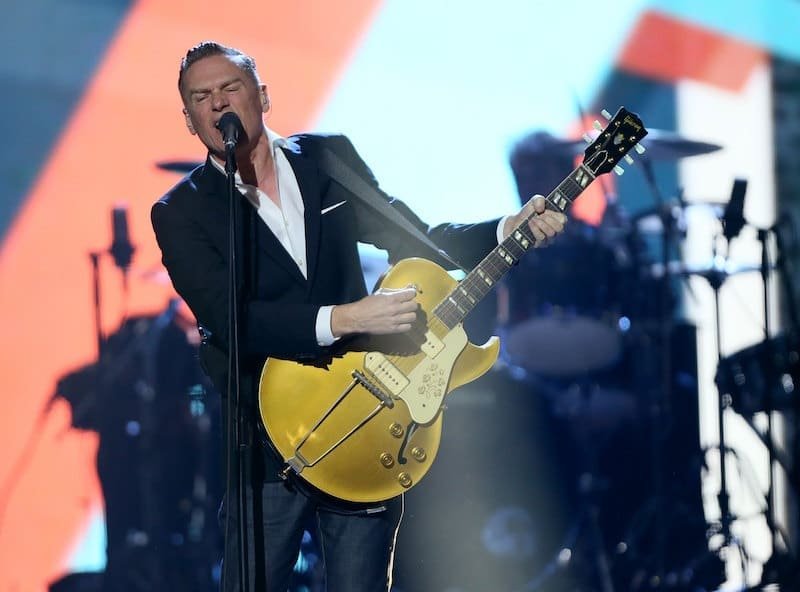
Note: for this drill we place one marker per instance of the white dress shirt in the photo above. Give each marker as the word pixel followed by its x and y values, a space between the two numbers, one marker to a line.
pixel 287 221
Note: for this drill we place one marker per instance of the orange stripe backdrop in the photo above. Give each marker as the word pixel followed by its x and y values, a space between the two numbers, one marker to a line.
pixel 129 119
pixel 664 48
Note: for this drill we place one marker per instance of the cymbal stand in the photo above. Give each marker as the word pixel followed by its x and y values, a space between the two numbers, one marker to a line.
pixel 659 412
pixel 774 568
pixel 785 271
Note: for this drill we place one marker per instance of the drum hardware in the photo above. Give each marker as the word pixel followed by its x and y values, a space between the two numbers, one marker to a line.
pixel 559 339
pixel 662 394
pixel 669 220
pixel 764 378
pixel 718 267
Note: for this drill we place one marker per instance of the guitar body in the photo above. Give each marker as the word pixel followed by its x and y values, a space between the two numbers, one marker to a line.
pixel 357 445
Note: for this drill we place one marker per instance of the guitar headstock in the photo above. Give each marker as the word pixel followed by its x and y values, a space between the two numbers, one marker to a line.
pixel 622 134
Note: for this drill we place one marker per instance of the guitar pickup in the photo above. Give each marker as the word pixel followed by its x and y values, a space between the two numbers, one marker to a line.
pixel 386 372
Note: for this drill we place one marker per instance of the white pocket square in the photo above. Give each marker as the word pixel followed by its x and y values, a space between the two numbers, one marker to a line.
pixel 333 207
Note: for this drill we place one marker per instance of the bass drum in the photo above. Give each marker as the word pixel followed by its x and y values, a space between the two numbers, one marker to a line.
pixel 560 308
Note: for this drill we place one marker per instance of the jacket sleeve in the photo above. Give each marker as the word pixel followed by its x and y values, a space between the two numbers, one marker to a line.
pixel 466 243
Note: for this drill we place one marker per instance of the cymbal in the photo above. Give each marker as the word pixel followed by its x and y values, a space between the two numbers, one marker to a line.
pixel 659 145
pixel 710 270
pixel 178 166
pixel 667 145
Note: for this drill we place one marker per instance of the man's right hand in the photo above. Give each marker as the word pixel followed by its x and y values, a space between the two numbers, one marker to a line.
pixel 385 312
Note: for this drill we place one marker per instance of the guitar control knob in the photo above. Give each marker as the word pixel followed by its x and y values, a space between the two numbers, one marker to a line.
pixel 396 430
pixel 419 453
pixel 405 480
pixel 387 460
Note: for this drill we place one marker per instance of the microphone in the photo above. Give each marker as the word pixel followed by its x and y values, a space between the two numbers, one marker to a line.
pixel 733 218
pixel 230 126
pixel 121 248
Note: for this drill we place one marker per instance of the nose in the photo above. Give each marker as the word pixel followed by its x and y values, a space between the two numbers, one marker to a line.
pixel 219 101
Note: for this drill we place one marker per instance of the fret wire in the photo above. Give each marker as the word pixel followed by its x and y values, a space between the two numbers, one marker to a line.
pixel 497 266
pixel 572 188
pixel 449 312
pixel 514 248
pixel 493 266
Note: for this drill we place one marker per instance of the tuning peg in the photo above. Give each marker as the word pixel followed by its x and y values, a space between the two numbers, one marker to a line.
pixel 598 126
pixel 628 159
pixel 587 138
pixel 619 170
pixel 606 114
pixel 639 148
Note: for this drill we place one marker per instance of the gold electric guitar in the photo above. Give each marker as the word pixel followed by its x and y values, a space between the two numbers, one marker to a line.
pixel 365 426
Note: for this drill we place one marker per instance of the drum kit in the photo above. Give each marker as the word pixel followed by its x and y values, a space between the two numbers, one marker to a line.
pixel 589 323
pixel 592 324
pixel 576 309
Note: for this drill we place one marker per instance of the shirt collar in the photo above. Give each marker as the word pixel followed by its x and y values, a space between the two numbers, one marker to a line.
pixel 275 141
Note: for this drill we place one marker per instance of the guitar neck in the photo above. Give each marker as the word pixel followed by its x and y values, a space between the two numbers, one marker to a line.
pixel 479 282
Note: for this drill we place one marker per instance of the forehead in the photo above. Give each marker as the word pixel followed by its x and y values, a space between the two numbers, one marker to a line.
pixel 211 71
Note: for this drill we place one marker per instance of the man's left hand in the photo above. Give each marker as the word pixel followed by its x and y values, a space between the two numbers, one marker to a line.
pixel 545 225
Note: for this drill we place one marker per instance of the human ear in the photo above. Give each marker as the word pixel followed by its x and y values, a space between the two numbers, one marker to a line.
pixel 189 124
pixel 265 102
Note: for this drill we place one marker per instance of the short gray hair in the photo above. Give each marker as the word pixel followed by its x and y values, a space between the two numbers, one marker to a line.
pixel 206 49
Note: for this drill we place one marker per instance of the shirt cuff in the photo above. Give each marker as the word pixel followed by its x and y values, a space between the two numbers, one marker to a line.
pixel 324 333
pixel 500 226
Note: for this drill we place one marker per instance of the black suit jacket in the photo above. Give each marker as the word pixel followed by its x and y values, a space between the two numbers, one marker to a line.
pixel 279 306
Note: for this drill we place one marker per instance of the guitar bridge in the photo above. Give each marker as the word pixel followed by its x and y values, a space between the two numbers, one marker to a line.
pixel 373 389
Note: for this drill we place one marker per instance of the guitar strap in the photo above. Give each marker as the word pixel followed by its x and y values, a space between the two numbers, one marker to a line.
pixel 353 182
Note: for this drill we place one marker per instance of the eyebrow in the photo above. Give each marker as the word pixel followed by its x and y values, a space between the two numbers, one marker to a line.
pixel 228 82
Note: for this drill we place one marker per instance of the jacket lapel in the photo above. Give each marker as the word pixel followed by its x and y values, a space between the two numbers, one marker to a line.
pixel 307 175
pixel 215 184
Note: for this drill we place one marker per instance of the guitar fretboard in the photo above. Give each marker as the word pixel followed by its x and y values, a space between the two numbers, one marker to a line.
pixel 478 282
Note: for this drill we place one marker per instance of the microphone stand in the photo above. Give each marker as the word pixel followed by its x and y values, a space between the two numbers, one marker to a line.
pixel 239 437
pixel 94 257
pixel 715 279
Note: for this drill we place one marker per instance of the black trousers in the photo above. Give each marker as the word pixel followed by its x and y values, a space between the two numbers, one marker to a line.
pixel 357 543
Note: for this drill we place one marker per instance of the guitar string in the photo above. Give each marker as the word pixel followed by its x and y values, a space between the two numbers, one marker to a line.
pixel 447 314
